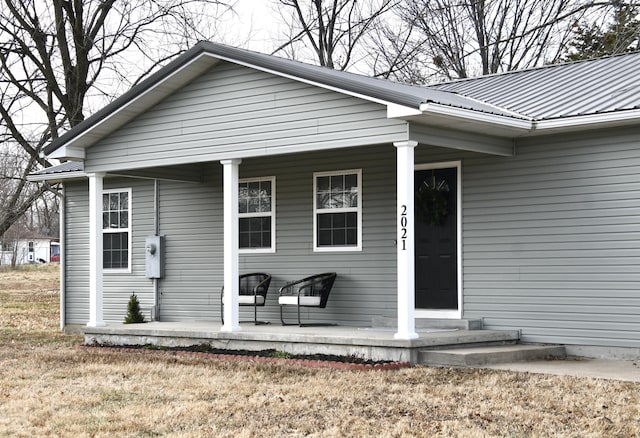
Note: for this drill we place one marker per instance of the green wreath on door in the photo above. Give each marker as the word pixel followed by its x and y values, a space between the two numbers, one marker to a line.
pixel 432 201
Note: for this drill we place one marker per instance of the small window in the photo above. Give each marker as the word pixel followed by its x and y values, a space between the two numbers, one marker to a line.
pixel 30 246
pixel 116 229
pixel 337 218
pixel 256 214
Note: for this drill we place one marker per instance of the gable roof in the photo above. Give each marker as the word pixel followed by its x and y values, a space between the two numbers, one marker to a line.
pixel 510 104
pixel 206 54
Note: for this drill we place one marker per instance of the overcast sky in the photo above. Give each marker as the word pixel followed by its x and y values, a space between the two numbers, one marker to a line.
pixel 254 26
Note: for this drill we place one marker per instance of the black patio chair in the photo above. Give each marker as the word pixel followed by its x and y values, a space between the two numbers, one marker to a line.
pixel 252 292
pixel 309 292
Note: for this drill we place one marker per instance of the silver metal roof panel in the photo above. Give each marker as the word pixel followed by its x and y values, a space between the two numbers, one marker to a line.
pixel 563 90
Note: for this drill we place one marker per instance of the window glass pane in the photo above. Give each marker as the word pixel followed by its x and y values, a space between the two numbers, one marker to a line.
pixel 124 258
pixel 243 205
pixel 338 236
pixel 254 189
pixel 115 254
pixel 352 220
pixel 124 219
pixel 322 200
pixel 105 220
pixel 352 236
pixel 105 202
pixel 322 184
pixel 113 220
pixel 324 221
pixel 337 183
pixel 255 240
pixel 338 220
pixel 337 229
pixel 324 237
pixel 265 204
pixel 114 201
pixel 266 188
pixel 255 232
pixel 124 201
pixel 253 205
pixel 244 224
pixel 351 182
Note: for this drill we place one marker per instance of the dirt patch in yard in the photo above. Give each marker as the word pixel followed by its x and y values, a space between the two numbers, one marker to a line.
pixel 48 387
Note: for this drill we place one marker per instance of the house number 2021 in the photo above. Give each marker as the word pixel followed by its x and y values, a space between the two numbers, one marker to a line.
pixel 403 226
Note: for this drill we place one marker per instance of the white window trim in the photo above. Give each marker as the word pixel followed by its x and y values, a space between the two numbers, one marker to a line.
pixel 357 209
pixel 272 249
pixel 120 230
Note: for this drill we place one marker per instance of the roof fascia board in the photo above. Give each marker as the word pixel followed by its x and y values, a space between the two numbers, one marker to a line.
pixel 56 177
pixel 461 140
pixel 589 121
pixel 395 111
pixel 68 152
pixel 476 116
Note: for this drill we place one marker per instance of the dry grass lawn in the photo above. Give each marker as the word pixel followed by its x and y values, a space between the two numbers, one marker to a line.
pixel 48 387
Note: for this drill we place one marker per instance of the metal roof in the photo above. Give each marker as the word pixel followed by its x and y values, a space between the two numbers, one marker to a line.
pixel 66 170
pixel 69 166
pixel 597 86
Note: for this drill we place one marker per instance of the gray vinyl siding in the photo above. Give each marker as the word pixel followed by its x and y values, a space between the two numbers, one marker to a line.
pixel 552 239
pixel 76 252
pixel 234 111
pixel 191 219
pixel 117 287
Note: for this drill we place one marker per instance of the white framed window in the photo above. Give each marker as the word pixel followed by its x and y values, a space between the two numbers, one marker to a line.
pixel 116 230
pixel 257 215
pixel 337 210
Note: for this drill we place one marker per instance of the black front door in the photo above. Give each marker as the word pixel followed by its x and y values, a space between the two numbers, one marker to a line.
pixel 436 238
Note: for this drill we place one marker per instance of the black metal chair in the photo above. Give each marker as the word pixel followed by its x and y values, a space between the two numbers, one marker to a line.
pixel 252 292
pixel 309 292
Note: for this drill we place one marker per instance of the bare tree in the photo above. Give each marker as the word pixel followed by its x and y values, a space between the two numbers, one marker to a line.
pixel 619 32
pixel 450 39
pixel 59 58
pixel 329 31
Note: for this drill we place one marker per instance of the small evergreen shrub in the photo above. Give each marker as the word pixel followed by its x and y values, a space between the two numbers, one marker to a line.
pixel 134 315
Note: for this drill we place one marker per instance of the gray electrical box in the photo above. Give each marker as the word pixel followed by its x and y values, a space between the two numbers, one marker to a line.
pixel 154 256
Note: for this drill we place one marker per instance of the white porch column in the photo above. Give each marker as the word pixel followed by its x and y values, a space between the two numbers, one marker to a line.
pixel 231 283
pixel 405 239
pixel 95 250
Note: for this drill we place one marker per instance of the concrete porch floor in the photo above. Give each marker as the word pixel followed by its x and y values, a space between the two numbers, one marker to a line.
pixel 366 343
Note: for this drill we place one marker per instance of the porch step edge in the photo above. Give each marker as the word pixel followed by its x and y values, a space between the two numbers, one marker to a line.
pixel 430 323
pixel 490 355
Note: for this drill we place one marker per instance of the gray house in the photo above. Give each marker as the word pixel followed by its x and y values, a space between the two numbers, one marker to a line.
pixel 513 199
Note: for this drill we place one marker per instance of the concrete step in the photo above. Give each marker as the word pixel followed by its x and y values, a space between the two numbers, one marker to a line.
pixel 489 355
pixel 431 323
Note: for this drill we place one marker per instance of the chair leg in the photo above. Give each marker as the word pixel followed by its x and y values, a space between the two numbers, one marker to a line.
pixel 282 317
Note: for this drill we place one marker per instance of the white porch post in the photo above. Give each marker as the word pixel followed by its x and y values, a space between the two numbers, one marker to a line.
pixel 231 283
pixel 95 250
pixel 405 240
